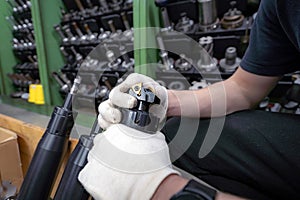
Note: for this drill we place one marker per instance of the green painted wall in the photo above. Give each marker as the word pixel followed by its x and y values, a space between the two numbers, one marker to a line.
pixel 45 15
pixel 7 58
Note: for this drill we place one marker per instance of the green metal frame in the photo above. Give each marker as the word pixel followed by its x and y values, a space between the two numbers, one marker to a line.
pixel 45 14
pixel 7 58
pixel 145 14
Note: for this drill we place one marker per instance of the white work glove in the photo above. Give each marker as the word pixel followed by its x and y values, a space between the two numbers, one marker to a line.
pixel 126 164
pixel 118 97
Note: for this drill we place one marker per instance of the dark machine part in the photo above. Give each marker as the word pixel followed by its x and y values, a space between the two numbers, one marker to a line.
pixel 64 87
pixel 115 5
pixel 61 34
pixel 231 62
pixel 183 63
pixel 125 20
pixel 167 62
pixel 79 5
pixel 114 63
pixel 208 19
pixel 139 117
pixel 77 55
pixel 69 187
pixel 291 100
pixel 71 37
pixel 91 36
pixel 50 151
pixel 104 6
pixel 165 16
pixel 128 62
pixel 128 33
pixel 112 26
pixel 184 24
pixel 233 18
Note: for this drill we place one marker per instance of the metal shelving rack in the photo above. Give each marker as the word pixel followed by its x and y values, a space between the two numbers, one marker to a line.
pixel 47 48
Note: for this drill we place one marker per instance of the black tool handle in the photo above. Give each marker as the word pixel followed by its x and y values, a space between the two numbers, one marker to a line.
pixel 39 178
pixel 70 188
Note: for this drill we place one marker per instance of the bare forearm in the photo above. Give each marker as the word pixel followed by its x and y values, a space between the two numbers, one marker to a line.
pixel 170 186
pixel 241 91
pixel 216 100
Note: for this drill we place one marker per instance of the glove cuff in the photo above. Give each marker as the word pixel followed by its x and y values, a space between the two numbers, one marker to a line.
pixel 146 185
pixel 129 186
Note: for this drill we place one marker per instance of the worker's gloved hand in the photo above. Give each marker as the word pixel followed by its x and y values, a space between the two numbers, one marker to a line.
pixel 118 97
pixel 125 163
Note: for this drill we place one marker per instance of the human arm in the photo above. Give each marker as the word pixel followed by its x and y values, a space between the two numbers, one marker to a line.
pixel 174 183
pixel 241 91
pixel 272 52
pixel 128 164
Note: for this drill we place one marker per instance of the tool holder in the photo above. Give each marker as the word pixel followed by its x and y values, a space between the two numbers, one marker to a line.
pixel 139 117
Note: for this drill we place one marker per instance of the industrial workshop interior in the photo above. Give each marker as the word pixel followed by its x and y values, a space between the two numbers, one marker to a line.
pixel 149 99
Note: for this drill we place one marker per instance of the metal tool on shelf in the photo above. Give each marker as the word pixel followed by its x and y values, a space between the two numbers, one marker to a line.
pixel 91 37
pixel 113 62
pixel 115 34
pixel 176 85
pixel 104 6
pixel 13 24
pixel 165 16
pixel 196 85
pixel 19 7
pixel 64 52
pixel 128 33
pixel 231 62
pixel 15 9
pixel 23 5
pixel 207 62
pixel 115 5
pixel 168 63
pixel 128 62
pixel 64 87
pixel 71 37
pixel 233 18
pixel 184 24
pixel 77 55
pixel 82 38
pixel 79 5
pixel 183 63
pixel 63 38
pixel 208 19
pixel 33 61
pixel 103 35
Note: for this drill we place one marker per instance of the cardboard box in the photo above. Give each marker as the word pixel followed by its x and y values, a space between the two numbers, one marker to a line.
pixel 10 162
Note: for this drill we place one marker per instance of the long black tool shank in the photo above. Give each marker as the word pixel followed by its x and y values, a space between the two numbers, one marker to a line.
pixel 45 163
pixel 50 151
pixel 69 187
